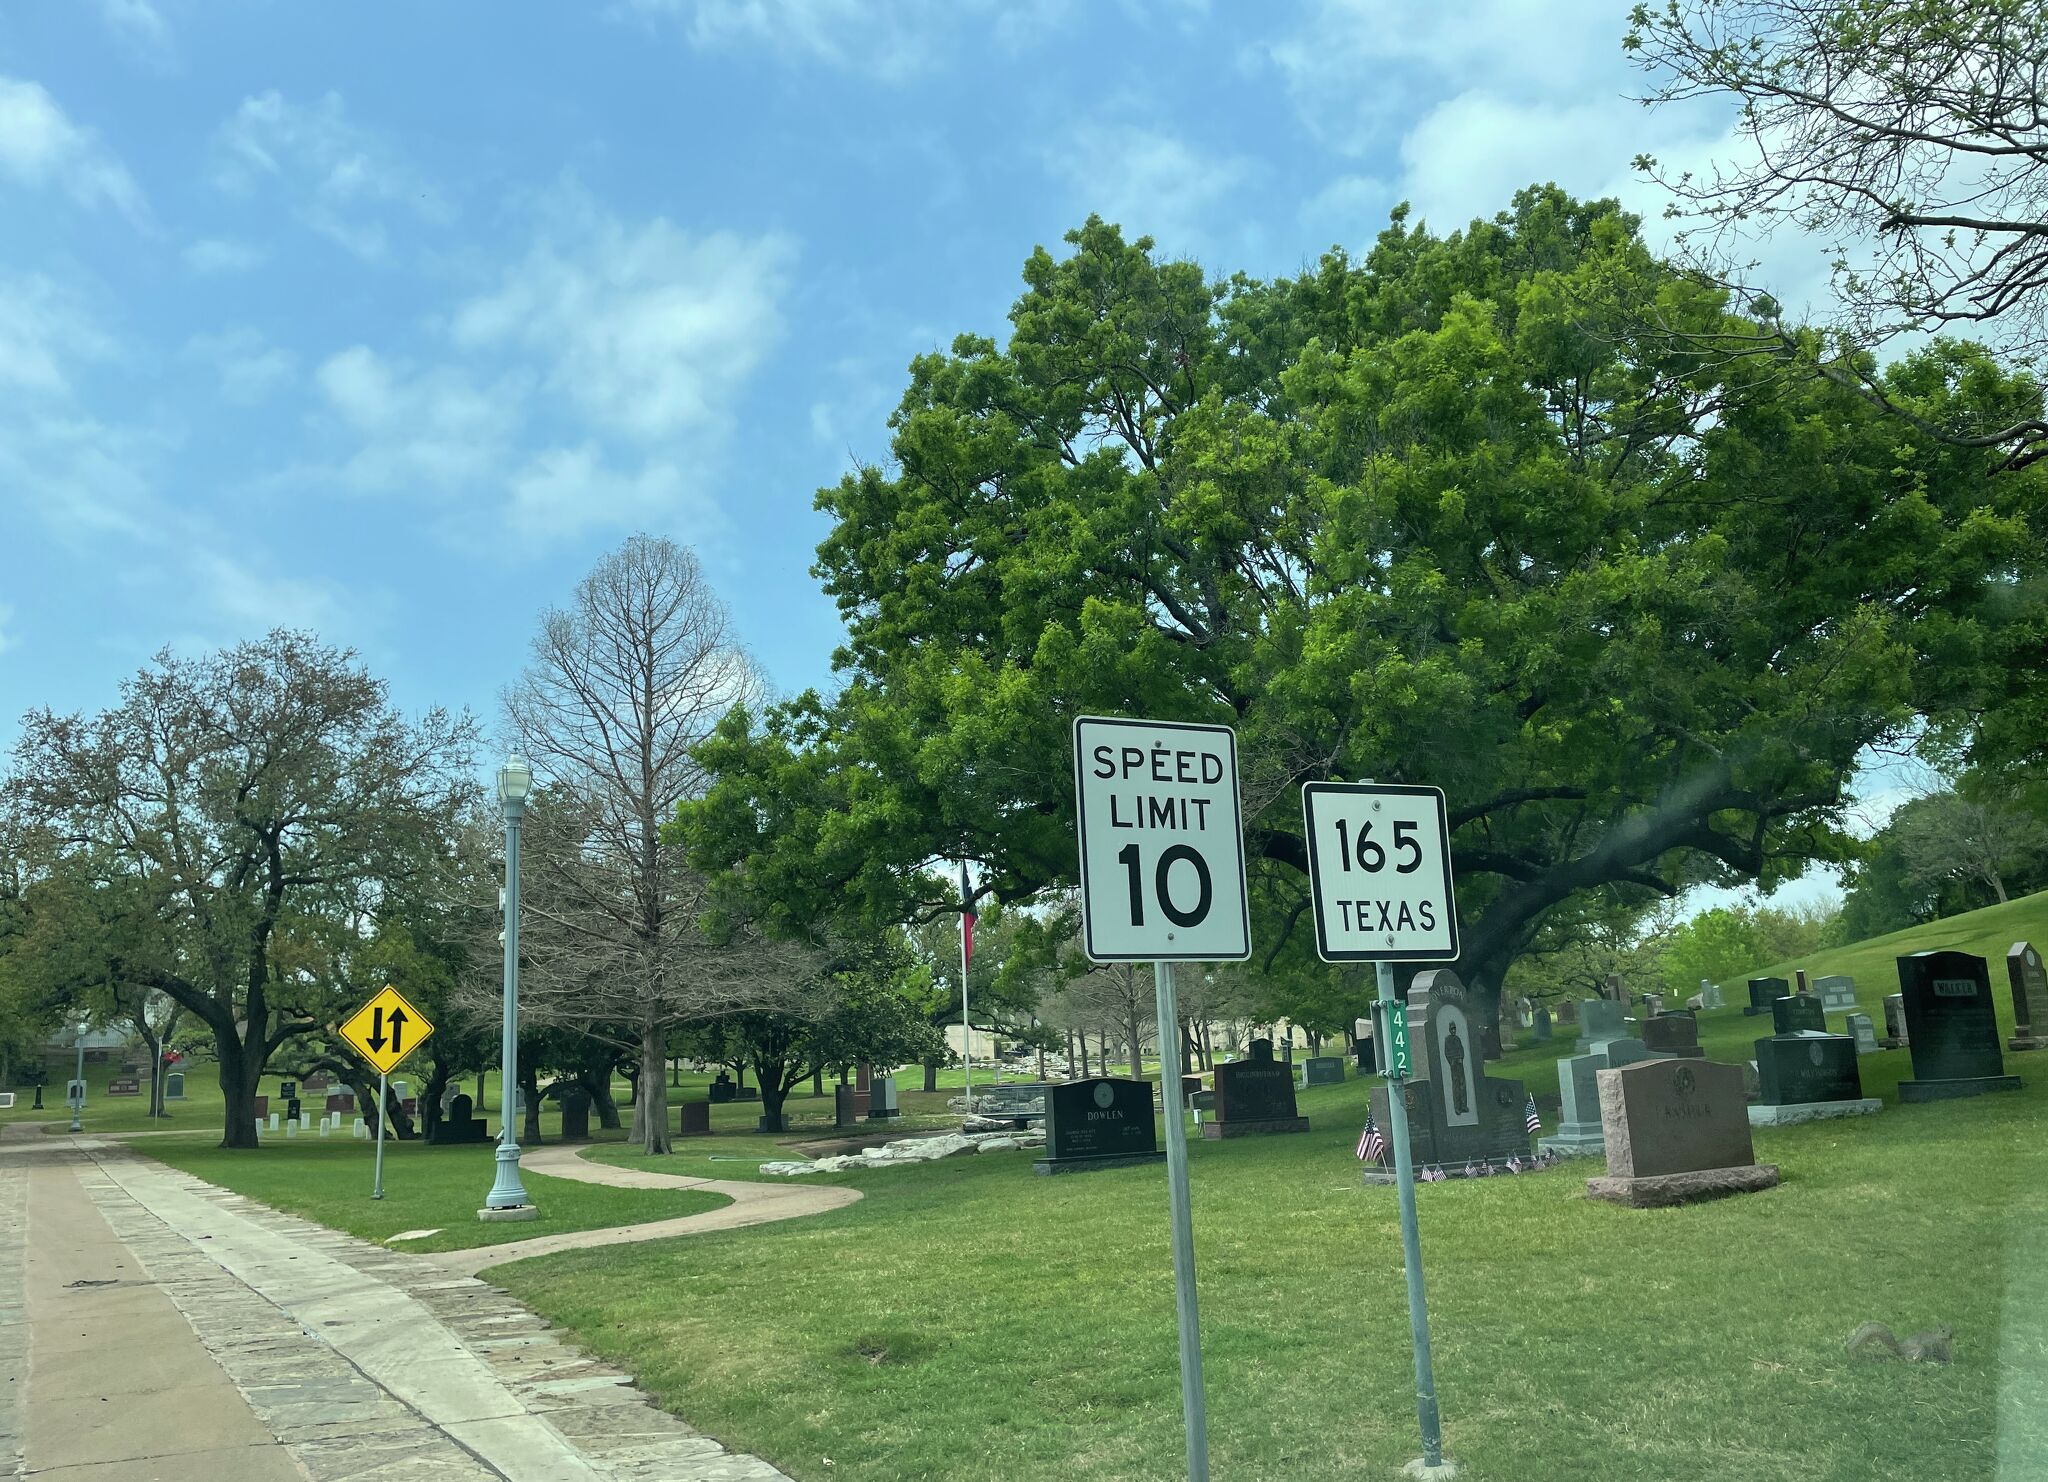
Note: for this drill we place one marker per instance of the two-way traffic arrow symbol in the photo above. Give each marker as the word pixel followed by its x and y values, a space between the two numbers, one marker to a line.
pixel 398 1022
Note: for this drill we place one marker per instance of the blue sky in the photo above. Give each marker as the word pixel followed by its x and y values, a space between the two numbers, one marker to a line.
pixel 388 319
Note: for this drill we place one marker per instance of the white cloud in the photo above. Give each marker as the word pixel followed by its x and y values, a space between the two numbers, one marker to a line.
pixel 244 592
pixel 221 255
pixel 249 367
pixel 140 27
pixel 45 334
pixel 41 147
pixel 562 492
pixel 431 431
pixel 648 330
pixel 1150 182
pixel 890 41
pixel 343 181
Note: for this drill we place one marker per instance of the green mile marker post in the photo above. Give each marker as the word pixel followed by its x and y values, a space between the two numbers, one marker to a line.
pixel 1397 1070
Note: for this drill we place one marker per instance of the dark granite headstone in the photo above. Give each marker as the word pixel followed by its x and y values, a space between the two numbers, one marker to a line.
pixel 1952 1026
pixel 124 1085
pixel 1542 1024
pixel 575 1102
pixel 1672 1034
pixel 288 1089
pixel 1676 1130
pixel 1797 1069
pixel 1254 1095
pixel 1802 1011
pixel 1103 1122
pixel 342 1101
pixel 722 1088
pixel 2029 984
pixel 263 1106
pixel 1457 1114
pixel 318 1081
pixel 1763 992
pixel 882 1105
pixel 1322 1070
pixel 694 1119
pixel 174 1086
pixel 849 1105
pixel 459 1126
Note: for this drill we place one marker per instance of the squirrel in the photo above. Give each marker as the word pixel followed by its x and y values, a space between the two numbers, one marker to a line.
pixel 1875 1340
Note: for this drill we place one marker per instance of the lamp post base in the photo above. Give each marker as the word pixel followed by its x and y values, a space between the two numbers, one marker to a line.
pixel 509 1215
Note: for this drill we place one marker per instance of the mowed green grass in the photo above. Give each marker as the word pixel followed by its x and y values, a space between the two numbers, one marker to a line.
pixel 969 1318
pixel 329 1180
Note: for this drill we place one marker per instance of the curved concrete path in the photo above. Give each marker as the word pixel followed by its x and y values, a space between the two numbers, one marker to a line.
pixel 752 1204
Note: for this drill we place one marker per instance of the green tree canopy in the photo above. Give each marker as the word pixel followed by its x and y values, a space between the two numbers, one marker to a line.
pixel 1445 515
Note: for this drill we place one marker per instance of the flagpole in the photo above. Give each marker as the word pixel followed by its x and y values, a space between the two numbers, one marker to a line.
pixel 966 1024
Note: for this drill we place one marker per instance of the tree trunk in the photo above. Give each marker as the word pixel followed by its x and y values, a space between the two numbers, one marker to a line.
pixel 529 1082
pixel 156 1065
pixel 240 1073
pixel 597 1085
pixel 931 1073
pixel 430 1099
pixel 774 1090
pixel 1041 1060
pixel 1082 1035
pixel 654 1128
pixel 632 1073
pixel 366 1098
pixel 1998 886
pixel 818 1081
pixel 394 1114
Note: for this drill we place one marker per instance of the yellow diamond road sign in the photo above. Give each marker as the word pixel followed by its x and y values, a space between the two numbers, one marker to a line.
pixel 386 1030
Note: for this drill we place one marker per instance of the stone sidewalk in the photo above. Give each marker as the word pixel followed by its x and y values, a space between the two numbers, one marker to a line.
pixel 153 1326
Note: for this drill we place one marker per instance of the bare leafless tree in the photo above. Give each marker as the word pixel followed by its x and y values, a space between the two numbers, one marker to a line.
pixel 624 684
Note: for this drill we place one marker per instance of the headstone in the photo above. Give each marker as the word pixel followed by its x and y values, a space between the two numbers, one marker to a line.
pixel 1542 1024
pixel 1602 1023
pixel 287 1089
pixel 1711 996
pixel 124 1085
pixel 294 1109
pixel 1894 1021
pixel 1803 1073
pixel 1952 1027
pixel 1458 1116
pixel 1322 1070
pixel 1763 992
pixel 1674 1035
pixel 174 1088
pixel 575 1102
pixel 317 1081
pixel 1653 1003
pixel 863 1077
pixel 359 1130
pixel 722 1089
pixel 1697 1002
pixel 849 1105
pixel 2029 997
pixel 1579 1133
pixel 1799 1013
pixel 1568 1013
pixel 694 1119
pixel 1861 1032
pixel 1837 993
pixel 1799 985
pixel 1676 1131
pixel 882 1105
pixel 342 1101
pixel 273 1121
pixel 459 1126
pixel 1103 1122
pixel 1616 989
pixel 1254 1095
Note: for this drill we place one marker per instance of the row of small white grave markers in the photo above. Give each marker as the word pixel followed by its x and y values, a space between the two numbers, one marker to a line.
pixel 329 1122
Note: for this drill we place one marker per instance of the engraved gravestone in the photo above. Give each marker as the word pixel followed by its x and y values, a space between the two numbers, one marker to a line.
pixel 1254 1096
pixel 1104 1122
pixel 694 1119
pixel 1952 1027
pixel 2029 997
pixel 1672 1034
pixel 1799 1013
pixel 1322 1070
pixel 174 1085
pixel 1803 1072
pixel 1894 1021
pixel 1711 996
pixel 1861 1032
pixel 1457 1114
pixel 1763 992
pixel 1541 1024
pixel 1837 993
pixel 1676 1131
pixel 1568 1013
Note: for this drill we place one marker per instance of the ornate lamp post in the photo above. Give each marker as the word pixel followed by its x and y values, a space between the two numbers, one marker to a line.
pixel 78 1086
pixel 508 1199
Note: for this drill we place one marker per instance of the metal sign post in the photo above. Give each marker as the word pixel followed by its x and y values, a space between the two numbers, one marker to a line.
pixel 1380 879
pixel 1193 1406
pixel 383 1099
pixel 1161 830
pixel 1411 1233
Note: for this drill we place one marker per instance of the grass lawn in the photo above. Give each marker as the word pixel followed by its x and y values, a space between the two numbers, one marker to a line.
pixel 424 1188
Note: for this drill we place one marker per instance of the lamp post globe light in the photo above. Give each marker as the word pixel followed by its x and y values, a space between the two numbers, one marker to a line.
pixel 78 1085
pixel 508 1199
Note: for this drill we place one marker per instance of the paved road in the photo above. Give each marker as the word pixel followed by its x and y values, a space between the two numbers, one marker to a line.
pixel 154 1328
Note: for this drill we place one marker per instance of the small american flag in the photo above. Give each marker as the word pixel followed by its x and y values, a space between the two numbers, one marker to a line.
pixel 1529 1117
pixel 1470 1171
pixel 1371 1145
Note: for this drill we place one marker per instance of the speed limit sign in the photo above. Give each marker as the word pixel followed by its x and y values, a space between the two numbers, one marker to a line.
pixel 1162 842
pixel 1379 864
